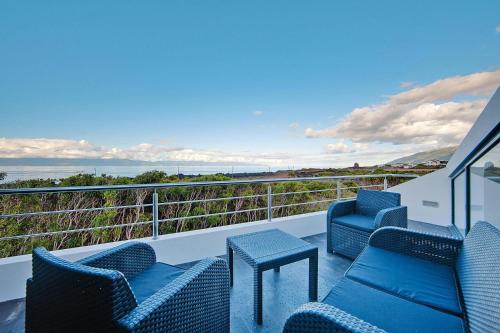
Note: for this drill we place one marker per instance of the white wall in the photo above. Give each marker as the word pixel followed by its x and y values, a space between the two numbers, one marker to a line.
pixel 173 248
pixel 435 187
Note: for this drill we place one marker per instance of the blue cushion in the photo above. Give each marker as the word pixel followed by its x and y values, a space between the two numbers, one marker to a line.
pixel 417 280
pixel 153 279
pixel 356 221
pixel 389 312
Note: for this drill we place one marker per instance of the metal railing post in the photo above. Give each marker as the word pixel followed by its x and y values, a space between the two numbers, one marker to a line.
pixel 269 203
pixel 385 183
pixel 155 215
pixel 339 191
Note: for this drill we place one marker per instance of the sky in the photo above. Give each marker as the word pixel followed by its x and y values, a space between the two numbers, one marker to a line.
pixel 277 83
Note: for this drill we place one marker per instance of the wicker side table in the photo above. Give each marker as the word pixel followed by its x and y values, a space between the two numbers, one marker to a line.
pixel 271 249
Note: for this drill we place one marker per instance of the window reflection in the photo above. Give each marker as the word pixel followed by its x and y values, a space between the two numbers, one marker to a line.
pixel 459 202
pixel 485 188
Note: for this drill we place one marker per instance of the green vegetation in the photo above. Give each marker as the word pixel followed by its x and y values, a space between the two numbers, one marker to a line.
pixel 178 215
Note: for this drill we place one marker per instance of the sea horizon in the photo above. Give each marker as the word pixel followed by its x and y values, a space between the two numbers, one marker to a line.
pixel 27 172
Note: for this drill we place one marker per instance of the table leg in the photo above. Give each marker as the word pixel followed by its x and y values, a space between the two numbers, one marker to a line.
pixel 257 295
pixel 313 277
pixel 230 263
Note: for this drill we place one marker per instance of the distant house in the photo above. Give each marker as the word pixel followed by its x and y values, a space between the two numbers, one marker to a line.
pixel 431 163
pixel 403 165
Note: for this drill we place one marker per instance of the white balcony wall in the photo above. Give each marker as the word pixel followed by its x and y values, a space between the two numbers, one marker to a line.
pixel 173 248
pixel 434 188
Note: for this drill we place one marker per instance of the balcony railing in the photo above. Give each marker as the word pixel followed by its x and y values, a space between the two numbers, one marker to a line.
pixel 139 205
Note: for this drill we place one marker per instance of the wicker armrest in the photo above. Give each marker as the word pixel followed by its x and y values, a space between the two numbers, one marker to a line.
pixel 395 216
pixel 436 248
pixel 341 208
pixel 197 301
pixel 324 318
pixel 130 258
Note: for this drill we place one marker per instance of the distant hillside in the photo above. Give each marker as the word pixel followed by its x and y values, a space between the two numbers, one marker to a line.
pixel 442 154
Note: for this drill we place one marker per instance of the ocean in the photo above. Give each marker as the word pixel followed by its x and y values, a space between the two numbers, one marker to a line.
pixel 20 172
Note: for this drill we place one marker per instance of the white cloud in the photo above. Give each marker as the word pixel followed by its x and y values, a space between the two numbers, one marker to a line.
pixel 406 84
pixel 338 148
pixel 423 115
pixel 258 113
pixel 59 148
pixel 335 155
pixel 294 125
pixel 348 148
pixel 50 148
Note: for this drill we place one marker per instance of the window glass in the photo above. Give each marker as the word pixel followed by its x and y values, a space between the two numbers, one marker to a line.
pixel 459 202
pixel 485 188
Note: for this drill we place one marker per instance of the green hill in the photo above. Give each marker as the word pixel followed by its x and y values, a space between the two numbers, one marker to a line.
pixel 442 154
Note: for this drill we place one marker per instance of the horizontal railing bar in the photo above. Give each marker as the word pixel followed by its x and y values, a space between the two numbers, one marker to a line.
pixel 304 203
pixel 72 231
pixel 212 199
pixel 301 192
pixel 211 214
pixel 5 216
pixel 187 184
pixel 348 198
pixel 364 186
pixel 313 202
pixel 326 190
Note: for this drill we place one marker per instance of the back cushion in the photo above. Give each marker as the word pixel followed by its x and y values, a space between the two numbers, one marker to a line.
pixel 65 296
pixel 369 203
pixel 478 269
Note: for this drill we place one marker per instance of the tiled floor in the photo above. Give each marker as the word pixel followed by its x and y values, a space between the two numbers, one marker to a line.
pixel 283 292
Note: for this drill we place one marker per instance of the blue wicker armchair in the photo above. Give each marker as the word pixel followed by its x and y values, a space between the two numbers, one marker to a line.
pixel 125 289
pixel 350 223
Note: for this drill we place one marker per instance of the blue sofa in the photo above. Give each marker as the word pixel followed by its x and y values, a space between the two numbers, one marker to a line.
pixel 407 281
pixel 350 223
pixel 125 289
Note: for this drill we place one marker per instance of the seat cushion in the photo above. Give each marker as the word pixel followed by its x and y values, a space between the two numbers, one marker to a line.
pixel 356 221
pixel 415 279
pixel 153 279
pixel 389 312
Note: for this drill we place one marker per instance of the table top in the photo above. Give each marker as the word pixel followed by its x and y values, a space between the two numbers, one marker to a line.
pixel 268 243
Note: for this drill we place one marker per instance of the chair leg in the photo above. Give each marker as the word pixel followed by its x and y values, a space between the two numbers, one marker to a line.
pixel 329 246
pixel 230 264
pixel 313 278
pixel 257 296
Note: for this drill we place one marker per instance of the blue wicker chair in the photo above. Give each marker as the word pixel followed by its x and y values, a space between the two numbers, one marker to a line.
pixel 408 281
pixel 125 289
pixel 350 223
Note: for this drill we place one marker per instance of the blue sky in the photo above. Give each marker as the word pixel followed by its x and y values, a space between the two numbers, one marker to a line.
pixel 269 82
